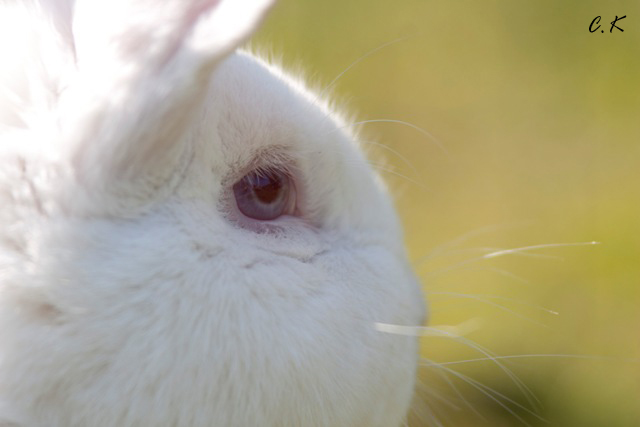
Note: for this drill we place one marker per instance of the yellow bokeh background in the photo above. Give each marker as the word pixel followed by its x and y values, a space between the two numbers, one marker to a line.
pixel 535 139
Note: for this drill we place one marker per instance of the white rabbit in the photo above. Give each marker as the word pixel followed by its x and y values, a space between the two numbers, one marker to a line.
pixel 188 237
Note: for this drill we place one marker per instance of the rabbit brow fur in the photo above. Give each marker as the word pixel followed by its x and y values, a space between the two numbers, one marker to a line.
pixel 132 291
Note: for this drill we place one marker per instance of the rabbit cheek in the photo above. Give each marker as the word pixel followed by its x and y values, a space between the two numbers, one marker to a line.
pixel 312 325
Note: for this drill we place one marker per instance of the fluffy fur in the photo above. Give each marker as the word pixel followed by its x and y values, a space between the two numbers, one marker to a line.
pixel 132 291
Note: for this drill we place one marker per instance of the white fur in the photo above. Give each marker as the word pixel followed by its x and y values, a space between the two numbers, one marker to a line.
pixel 132 292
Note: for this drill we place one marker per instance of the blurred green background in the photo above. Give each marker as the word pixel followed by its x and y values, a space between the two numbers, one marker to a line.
pixel 540 124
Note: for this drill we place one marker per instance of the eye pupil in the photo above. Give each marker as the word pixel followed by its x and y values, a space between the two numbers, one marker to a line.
pixel 265 195
pixel 267 188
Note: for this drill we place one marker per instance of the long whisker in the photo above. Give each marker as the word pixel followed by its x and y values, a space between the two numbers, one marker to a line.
pixel 357 61
pixel 431 391
pixel 487 300
pixel 515 301
pixel 424 132
pixel 462 329
pixel 476 232
pixel 426 413
pixel 320 95
pixel 441 332
pixel 442 374
pixel 504 252
pixel 531 356
pixel 395 152
pixel 384 168
pixel 526 391
pixel 533 247
pixel 489 392
pixel 500 271
pixel 450 252
pixel 394 172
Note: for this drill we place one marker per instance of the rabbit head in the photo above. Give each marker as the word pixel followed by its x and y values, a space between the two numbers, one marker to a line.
pixel 188 236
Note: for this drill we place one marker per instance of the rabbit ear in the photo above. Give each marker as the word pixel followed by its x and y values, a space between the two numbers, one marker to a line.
pixel 35 46
pixel 154 33
pixel 142 70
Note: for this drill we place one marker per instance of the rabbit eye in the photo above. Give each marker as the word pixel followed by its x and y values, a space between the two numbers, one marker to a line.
pixel 265 195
